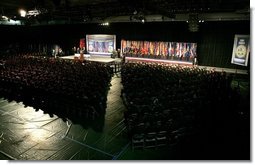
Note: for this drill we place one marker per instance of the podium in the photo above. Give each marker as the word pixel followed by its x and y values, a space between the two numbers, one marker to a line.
pixel 81 57
pixel 76 56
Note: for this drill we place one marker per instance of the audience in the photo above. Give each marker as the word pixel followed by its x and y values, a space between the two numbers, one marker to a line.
pixel 44 82
pixel 171 98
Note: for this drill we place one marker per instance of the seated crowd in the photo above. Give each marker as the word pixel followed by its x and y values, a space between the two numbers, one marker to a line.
pixel 64 86
pixel 167 103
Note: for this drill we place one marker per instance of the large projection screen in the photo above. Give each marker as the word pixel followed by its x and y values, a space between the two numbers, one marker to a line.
pixel 100 44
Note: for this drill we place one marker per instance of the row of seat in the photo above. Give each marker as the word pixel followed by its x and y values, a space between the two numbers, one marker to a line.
pixel 40 81
pixel 167 98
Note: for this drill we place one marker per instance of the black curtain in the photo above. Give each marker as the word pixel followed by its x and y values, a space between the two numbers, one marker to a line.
pixel 215 50
pixel 216 43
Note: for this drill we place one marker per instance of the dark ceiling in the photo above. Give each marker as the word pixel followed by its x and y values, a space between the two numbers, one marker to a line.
pixel 88 10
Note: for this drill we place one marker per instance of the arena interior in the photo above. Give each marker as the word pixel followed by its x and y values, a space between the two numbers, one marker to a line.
pixel 125 80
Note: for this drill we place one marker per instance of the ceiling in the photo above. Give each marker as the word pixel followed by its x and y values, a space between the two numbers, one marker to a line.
pixel 125 10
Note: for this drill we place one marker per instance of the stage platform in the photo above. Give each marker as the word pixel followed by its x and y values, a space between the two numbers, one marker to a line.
pixel 157 60
pixel 227 70
pixel 117 61
pixel 95 58
pixel 218 69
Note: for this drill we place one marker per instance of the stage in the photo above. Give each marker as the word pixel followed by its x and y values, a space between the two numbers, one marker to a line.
pixel 227 70
pixel 94 58
pixel 117 61
pixel 113 62
pixel 174 62
pixel 158 60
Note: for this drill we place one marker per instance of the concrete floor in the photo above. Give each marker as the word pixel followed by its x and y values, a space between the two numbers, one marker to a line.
pixel 29 135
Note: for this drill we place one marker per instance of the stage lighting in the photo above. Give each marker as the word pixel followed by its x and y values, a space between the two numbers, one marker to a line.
pixel 34 12
pixel 23 13
pixel 4 18
pixel 105 24
pixel 138 17
pixel 193 22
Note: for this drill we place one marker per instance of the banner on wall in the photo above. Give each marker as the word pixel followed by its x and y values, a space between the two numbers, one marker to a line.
pixel 178 51
pixel 82 43
pixel 241 50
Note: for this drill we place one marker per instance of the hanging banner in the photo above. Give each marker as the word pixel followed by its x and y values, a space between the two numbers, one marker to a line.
pixel 241 50
pixel 82 43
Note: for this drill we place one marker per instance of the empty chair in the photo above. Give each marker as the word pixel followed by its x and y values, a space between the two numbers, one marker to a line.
pixel 139 128
pixel 161 138
pixel 150 140
pixel 177 135
pixel 138 141
pixel 93 114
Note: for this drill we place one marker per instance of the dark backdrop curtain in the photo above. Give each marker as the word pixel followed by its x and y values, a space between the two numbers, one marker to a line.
pixel 216 43
pixel 215 50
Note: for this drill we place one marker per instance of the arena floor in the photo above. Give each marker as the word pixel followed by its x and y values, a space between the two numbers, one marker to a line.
pixel 26 134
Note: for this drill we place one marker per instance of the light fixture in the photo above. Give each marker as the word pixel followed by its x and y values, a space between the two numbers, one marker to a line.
pixel 193 22
pixel 105 24
pixel 4 18
pixel 34 12
pixel 22 13
pixel 138 16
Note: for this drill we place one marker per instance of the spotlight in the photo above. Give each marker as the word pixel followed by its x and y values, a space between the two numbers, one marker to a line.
pixel 23 13
pixel 105 24
pixel 143 20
